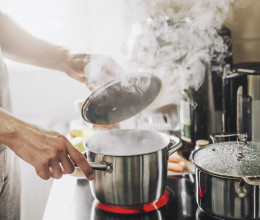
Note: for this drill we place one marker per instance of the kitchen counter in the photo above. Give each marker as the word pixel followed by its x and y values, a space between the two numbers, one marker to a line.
pixel 71 199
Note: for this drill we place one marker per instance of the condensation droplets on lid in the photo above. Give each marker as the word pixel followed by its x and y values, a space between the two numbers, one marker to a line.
pixel 221 159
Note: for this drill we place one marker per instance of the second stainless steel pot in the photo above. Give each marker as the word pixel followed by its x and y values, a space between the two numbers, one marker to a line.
pixel 228 179
pixel 134 164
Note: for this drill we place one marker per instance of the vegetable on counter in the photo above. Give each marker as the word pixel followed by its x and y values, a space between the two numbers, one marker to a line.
pixel 177 163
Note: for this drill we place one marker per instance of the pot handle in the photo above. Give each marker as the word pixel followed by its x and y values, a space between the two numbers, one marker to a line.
pixel 102 166
pixel 174 145
pixel 240 137
pixel 252 180
pixel 214 137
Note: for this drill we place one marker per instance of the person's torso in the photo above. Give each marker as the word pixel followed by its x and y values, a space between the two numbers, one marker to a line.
pixel 4 89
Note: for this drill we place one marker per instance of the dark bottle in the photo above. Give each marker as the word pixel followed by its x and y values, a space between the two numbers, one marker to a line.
pixel 186 122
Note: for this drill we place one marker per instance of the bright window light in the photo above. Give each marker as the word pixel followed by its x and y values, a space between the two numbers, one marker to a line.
pixel 43 18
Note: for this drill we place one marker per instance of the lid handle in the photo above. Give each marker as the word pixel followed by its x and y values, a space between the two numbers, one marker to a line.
pixel 241 140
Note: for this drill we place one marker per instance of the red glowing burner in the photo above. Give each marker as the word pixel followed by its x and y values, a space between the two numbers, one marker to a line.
pixel 163 200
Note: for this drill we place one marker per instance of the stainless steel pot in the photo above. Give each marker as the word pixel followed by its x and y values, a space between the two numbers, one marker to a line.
pixel 130 165
pixel 228 179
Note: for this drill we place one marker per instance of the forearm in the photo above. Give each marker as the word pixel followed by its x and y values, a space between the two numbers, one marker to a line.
pixel 8 127
pixel 21 46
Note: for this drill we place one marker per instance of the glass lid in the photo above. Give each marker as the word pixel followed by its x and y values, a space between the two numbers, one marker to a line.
pixel 229 159
pixel 121 98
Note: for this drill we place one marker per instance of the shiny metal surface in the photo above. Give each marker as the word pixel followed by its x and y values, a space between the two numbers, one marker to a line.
pixel 243 102
pixel 254 92
pixel 103 166
pixel 229 159
pixel 135 179
pixel 254 86
pixel 121 98
pixel 227 197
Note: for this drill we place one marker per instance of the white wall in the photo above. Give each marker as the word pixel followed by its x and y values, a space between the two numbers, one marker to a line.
pixel 44 93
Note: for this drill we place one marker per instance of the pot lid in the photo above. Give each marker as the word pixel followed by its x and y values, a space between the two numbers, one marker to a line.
pixel 121 98
pixel 126 142
pixel 229 159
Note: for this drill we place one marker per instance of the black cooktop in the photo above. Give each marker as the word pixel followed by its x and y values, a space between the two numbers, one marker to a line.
pixel 182 205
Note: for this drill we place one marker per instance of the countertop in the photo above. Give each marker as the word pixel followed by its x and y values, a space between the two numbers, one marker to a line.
pixel 71 199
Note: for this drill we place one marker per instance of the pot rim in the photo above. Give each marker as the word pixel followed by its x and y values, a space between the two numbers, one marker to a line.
pixel 109 155
pixel 217 174
pixel 132 155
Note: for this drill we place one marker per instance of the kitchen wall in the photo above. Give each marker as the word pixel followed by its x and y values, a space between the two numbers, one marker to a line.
pixel 244 26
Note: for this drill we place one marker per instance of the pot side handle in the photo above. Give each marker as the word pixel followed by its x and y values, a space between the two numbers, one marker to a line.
pixel 252 180
pixel 102 166
pixel 174 145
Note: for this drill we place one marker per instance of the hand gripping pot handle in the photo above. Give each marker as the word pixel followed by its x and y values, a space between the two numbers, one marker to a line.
pixel 174 145
pixel 102 166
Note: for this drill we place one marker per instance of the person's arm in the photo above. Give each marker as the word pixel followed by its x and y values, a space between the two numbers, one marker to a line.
pixel 17 44
pixel 49 152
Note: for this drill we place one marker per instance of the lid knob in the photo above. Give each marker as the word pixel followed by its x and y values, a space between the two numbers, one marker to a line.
pixel 241 139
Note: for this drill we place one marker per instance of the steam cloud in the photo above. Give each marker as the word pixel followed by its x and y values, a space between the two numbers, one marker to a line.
pixel 175 40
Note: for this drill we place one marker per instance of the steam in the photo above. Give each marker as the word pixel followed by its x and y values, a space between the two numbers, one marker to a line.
pixel 101 69
pixel 176 40
pixel 135 85
pixel 126 142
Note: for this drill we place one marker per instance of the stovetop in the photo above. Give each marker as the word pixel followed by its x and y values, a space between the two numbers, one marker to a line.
pixel 182 205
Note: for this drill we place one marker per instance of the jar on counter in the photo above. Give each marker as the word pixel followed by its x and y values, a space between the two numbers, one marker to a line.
pixel 199 144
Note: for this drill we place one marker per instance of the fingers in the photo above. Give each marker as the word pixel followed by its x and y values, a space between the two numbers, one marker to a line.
pixel 76 67
pixel 78 77
pixel 55 170
pixel 79 159
pixel 67 165
pixel 43 172
pixel 82 56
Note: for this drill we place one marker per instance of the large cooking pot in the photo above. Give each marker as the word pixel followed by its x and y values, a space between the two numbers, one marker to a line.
pixel 130 165
pixel 228 179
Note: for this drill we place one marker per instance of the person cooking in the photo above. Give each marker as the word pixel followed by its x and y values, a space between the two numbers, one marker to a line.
pixel 51 154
